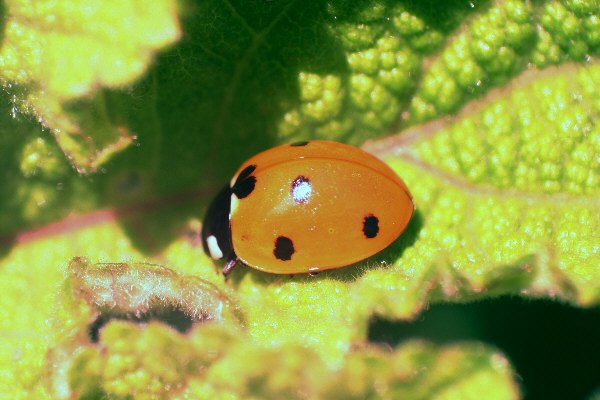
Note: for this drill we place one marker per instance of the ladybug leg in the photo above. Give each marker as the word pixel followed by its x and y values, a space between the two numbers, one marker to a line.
pixel 229 265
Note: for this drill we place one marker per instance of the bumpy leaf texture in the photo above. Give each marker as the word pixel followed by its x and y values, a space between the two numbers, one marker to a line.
pixel 55 52
pixel 488 110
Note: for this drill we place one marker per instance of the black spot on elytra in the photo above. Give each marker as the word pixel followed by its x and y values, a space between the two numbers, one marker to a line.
pixel 370 226
pixel 245 173
pixel 299 144
pixel 245 183
pixel 301 190
pixel 284 248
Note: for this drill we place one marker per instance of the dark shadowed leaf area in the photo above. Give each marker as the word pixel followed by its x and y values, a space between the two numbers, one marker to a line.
pixel 171 316
pixel 553 347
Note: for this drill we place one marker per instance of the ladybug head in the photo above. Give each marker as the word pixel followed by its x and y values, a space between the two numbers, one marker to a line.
pixel 216 230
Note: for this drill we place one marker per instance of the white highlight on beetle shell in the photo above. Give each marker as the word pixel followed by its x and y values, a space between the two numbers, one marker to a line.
pixel 301 190
pixel 213 248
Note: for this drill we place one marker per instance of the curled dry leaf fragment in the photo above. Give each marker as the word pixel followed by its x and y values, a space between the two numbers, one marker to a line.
pixel 117 309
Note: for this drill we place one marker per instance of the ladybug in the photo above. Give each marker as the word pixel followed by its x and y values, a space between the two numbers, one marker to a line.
pixel 306 207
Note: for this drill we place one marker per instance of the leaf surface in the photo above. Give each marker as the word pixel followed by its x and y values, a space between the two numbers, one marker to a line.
pixel 488 110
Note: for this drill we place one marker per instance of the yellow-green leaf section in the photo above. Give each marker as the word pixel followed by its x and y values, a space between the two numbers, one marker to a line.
pixel 508 191
pixel 55 52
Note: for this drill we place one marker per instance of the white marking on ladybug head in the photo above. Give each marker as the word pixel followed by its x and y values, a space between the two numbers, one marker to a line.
pixel 213 248
pixel 233 205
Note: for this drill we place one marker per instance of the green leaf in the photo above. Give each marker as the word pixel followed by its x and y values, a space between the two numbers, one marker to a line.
pixel 55 53
pixel 505 177
pixel 509 189
pixel 155 361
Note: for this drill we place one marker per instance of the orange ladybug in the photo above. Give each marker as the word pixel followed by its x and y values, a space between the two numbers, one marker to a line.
pixel 306 207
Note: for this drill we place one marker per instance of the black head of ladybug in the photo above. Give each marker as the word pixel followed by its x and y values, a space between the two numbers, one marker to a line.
pixel 216 230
